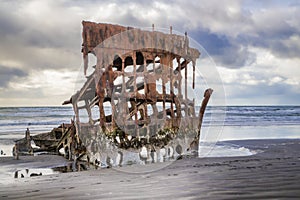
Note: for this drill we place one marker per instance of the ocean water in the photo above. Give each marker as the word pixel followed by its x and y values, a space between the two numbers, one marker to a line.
pixel 220 124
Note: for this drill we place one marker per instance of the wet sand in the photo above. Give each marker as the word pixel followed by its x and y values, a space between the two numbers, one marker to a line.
pixel 274 172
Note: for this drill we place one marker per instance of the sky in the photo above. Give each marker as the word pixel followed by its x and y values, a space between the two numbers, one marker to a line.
pixel 255 45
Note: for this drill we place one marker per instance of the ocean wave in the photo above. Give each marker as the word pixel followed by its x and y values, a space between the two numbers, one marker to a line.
pixel 23 117
pixel 223 150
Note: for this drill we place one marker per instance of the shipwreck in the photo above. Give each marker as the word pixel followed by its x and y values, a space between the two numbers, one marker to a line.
pixel 134 105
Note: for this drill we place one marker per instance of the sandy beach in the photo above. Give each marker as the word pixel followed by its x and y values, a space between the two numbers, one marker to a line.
pixel 274 172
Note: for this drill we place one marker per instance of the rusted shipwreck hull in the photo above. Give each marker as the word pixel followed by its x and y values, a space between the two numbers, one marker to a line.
pixel 45 142
pixel 137 99
pixel 135 104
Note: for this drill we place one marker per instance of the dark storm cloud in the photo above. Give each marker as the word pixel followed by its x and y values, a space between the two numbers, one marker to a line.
pixel 224 50
pixel 36 38
pixel 9 24
pixel 213 43
pixel 270 25
pixel 7 74
pixel 276 36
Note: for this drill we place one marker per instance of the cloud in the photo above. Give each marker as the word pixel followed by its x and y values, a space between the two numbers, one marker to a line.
pixel 40 36
pixel 262 93
pixel 257 43
pixel 8 74
pixel 224 50
pixel 277 29
pixel 260 85
pixel 226 29
pixel 48 87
